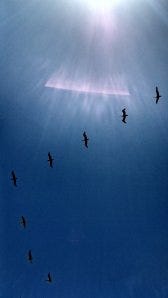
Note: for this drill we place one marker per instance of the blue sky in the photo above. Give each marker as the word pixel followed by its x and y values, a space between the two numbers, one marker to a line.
pixel 97 220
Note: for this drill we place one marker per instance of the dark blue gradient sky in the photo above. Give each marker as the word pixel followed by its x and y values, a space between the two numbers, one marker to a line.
pixel 98 221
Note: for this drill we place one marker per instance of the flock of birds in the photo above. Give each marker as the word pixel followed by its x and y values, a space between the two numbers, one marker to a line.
pixel 23 221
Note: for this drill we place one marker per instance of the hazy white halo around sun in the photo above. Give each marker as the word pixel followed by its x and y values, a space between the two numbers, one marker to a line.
pixel 98 5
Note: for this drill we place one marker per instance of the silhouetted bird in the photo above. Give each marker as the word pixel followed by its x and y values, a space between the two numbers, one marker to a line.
pixel 50 159
pixel 30 258
pixel 85 139
pixel 14 178
pixel 124 115
pixel 157 95
pixel 49 279
pixel 23 221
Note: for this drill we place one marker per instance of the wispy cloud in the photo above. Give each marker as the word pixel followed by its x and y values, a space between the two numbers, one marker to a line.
pixel 87 82
pixel 84 87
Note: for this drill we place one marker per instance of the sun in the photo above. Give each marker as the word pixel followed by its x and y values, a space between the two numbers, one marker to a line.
pixel 98 5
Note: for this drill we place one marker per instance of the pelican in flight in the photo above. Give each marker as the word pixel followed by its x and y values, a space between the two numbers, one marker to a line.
pixel 14 178
pixel 124 115
pixel 157 95
pixel 85 140
pixel 50 159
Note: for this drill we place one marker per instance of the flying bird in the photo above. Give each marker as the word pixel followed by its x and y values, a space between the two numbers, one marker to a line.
pixel 157 95
pixel 49 279
pixel 124 115
pixel 14 178
pixel 50 159
pixel 23 221
pixel 85 139
pixel 30 258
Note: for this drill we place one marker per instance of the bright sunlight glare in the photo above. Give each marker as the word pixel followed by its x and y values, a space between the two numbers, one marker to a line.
pixel 98 5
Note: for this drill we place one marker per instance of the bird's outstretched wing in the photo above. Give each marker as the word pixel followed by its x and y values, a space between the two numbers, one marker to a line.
pixel 84 135
pixel 157 92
